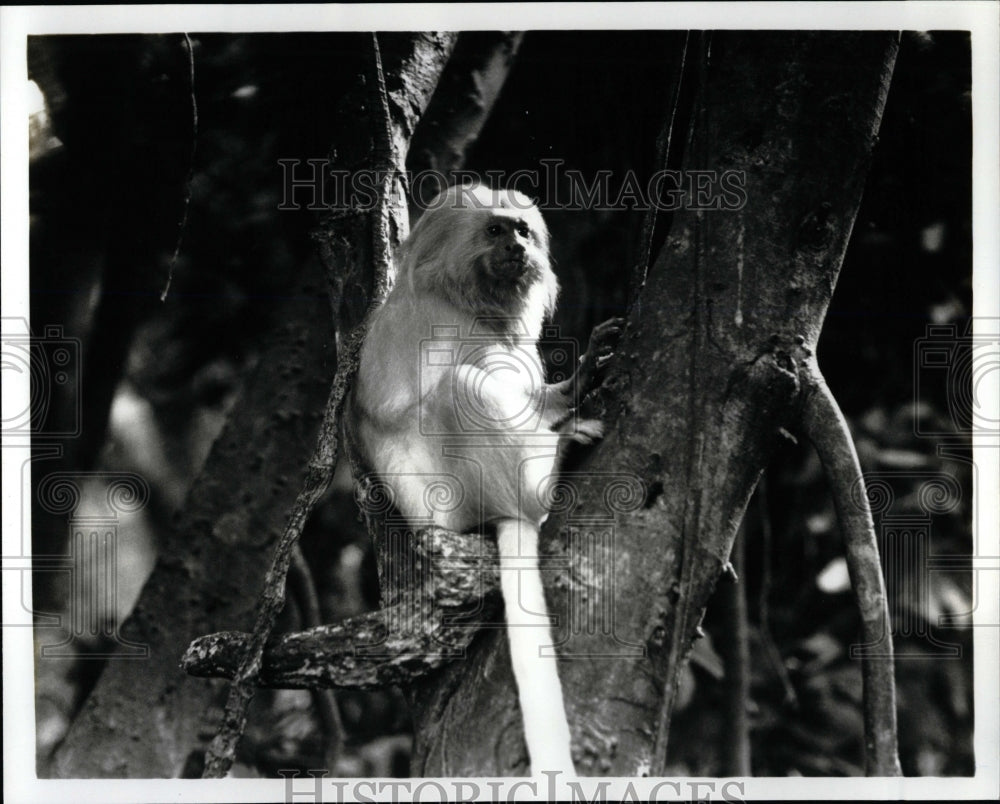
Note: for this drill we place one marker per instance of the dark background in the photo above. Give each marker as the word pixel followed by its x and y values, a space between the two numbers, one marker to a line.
pixel 108 211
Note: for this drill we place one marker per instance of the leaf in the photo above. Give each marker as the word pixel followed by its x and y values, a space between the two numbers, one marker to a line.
pixel 834 579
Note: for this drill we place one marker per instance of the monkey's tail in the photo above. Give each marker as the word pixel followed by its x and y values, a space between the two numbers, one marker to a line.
pixel 532 653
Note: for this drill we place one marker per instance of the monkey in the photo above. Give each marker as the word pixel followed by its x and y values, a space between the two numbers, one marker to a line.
pixel 451 384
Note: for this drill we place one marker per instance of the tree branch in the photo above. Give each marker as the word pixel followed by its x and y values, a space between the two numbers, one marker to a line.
pixel 664 149
pixel 735 652
pixel 432 624
pixel 824 425
pixel 763 599
pixel 463 100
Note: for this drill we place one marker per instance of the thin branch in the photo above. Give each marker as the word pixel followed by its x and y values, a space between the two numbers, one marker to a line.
pixel 304 589
pixel 312 617
pixel 791 699
pixel 388 158
pixel 664 144
pixel 825 426
pixel 735 651
pixel 190 176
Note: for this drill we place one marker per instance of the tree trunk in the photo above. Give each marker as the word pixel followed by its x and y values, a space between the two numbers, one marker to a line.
pixel 706 378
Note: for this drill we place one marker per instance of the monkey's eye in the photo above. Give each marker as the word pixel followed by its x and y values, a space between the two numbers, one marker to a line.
pixel 524 230
pixel 494 230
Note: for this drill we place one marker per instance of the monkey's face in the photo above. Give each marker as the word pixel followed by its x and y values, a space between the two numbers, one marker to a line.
pixel 512 253
pixel 486 251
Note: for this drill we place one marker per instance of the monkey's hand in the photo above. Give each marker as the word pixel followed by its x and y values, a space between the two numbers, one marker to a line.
pixel 603 340
pixel 590 373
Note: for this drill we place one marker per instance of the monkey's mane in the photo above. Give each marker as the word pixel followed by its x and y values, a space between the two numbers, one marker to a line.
pixel 445 247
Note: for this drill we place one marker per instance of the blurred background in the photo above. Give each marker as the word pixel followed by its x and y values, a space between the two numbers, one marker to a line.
pixel 124 194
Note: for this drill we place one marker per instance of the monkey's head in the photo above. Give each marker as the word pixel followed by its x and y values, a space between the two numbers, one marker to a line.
pixel 485 250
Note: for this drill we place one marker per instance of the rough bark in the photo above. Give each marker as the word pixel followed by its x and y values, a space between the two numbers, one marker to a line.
pixel 706 377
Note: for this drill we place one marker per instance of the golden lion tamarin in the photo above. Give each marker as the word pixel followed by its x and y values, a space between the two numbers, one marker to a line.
pixel 451 388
